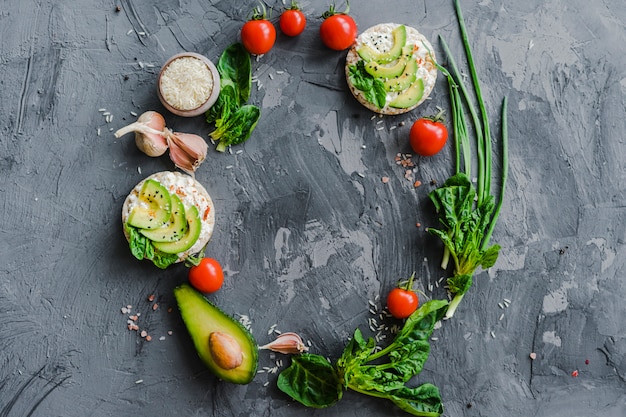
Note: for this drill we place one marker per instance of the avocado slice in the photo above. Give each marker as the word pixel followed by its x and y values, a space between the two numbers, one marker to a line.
pixel 410 96
pixel 204 320
pixel 188 239
pixel 175 229
pixel 404 80
pixel 368 53
pixel 379 70
pixel 154 206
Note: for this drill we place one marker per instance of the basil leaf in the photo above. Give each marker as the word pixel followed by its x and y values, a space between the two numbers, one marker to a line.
pixel 311 380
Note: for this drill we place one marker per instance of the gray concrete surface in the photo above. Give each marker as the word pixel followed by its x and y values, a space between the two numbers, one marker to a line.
pixel 306 229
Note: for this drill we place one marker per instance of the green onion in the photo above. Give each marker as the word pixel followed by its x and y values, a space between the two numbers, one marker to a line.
pixel 468 215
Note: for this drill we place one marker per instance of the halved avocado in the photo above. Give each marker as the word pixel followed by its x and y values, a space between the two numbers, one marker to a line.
pixel 410 96
pixel 203 319
pixel 368 53
pixel 175 229
pixel 154 206
pixel 404 80
pixel 188 239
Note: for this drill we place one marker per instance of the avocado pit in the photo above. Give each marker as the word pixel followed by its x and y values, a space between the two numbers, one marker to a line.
pixel 225 350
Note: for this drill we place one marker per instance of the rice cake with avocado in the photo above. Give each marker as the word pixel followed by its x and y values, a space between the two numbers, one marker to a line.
pixel 398 62
pixel 189 218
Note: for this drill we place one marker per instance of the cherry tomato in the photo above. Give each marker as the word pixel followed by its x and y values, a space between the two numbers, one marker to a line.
pixel 258 34
pixel 402 301
pixel 207 276
pixel 338 30
pixel 292 21
pixel 428 135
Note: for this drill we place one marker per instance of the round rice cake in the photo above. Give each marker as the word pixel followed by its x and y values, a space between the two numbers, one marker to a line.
pixel 381 39
pixel 190 192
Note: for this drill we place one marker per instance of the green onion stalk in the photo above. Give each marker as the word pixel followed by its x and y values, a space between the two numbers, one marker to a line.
pixel 468 214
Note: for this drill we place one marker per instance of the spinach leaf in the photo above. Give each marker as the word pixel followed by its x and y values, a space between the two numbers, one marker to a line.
pixel 312 381
pixel 237 128
pixel 423 400
pixel 373 88
pixel 234 120
pixel 365 368
pixel 141 247
pixel 235 67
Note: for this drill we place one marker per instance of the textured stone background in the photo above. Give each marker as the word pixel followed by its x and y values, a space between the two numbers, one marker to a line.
pixel 307 231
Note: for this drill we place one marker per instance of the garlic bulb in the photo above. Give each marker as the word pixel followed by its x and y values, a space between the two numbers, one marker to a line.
pixel 149 133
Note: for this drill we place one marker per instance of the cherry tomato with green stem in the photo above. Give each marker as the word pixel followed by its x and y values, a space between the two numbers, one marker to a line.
pixel 258 34
pixel 206 275
pixel 338 31
pixel 428 135
pixel 402 301
pixel 292 21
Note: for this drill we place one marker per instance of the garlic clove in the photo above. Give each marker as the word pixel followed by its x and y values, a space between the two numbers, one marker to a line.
pixel 287 343
pixel 187 150
pixel 149 133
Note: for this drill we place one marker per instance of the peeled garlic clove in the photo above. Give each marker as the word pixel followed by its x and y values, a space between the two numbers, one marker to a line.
pixel 287 343
pixel 187 150
pixel 149 133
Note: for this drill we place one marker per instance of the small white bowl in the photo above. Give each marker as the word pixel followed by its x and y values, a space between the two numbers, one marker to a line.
pixel 192 107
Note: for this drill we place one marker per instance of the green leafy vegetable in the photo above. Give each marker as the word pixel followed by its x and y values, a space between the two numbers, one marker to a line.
pixel 373 88
pixel 234 120
pixel 237 128
pixel 468 215
pixel 141 247
pixel 367 369
pixel 312 381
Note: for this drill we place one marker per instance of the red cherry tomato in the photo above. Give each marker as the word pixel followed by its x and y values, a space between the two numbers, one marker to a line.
pixel 258 35
pixel 207 276
pixel 338 30
pixel 402 301
pixel 292 21
pixel 428 135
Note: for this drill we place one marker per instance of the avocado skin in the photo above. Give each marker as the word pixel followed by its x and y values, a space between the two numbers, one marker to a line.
pixel 202 318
